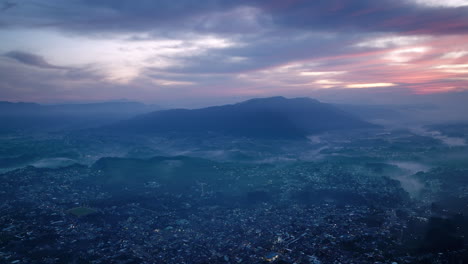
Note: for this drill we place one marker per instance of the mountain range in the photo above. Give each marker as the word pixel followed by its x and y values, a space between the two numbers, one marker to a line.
pixel 37 117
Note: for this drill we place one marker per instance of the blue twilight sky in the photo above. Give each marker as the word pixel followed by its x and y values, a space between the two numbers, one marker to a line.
pixel 193 52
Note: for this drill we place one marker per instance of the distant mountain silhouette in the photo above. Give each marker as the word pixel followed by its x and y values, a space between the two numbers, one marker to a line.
pixel 36 117
pixel 9 108
pixel 275 117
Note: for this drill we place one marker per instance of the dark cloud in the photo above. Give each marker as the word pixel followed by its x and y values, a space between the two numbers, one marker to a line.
pixel 161 9
pixel 32 60
pixel 121 15
pixel 7 5
pixel 168 16
pixel 20 82
pixel 369 16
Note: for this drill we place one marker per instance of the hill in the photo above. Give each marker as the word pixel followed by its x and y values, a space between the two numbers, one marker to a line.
pixel 275 117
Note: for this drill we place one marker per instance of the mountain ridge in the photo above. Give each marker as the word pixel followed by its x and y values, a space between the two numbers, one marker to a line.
pixel 26 116
pixel 272 117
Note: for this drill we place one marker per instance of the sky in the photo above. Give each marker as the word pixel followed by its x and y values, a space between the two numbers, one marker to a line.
pixel 192 52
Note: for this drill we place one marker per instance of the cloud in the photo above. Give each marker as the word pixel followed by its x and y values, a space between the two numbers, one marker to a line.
pixel 391 41
pixel 7 5
pixel 170 17
pixel 371 16
pixel 308 73
pixel 194 48
pixel 445 3
pixel 32 60
pixel 370 85
pixel 111 16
